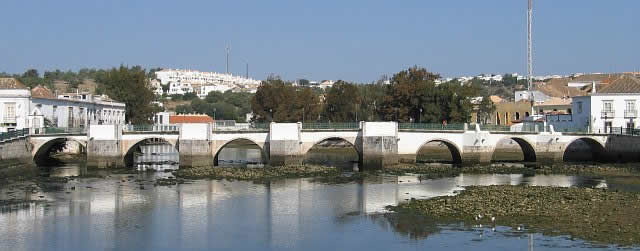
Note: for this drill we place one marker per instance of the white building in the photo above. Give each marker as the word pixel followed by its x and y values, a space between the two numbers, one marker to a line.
pixel 74 110
pixel 538 96
pixel 198 78
pixel 14 105
pixel 205 89
pixel 615 106
pixel 156 87
pixel 180 88
pixel 326 84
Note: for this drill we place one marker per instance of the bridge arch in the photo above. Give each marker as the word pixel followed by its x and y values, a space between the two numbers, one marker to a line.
pixel 583 149
pixel 134 146
pixel 528 149
pixel 454 150
pixel 344 157
pixel 263 153
pixel 353 143
pixel 42 151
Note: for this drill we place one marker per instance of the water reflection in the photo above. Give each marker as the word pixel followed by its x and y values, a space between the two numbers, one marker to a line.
pixel 157 156
pixel 125 212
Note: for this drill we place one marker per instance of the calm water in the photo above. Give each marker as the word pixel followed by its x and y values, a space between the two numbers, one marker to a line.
pixel 126 212
pixel 291 214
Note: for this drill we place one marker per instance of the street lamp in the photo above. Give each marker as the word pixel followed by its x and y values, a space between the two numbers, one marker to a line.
pixel 214 114
pixel 271 112
pixel 420 115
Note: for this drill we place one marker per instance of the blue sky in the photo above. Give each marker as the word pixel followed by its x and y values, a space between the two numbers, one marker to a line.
pixel 357 40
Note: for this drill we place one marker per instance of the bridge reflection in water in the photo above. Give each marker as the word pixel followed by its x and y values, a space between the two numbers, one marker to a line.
pixel 284 214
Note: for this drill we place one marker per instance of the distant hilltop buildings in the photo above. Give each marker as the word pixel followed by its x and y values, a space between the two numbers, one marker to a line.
pixel 201 83
pixel 500 77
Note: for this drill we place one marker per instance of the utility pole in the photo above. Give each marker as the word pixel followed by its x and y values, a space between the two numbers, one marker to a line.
pixel 247 72
pixel 530 55
pixel 228 49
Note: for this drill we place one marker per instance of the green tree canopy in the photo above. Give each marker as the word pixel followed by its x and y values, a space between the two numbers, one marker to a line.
pixel 130 85
pixel 342 101
pixel 279 101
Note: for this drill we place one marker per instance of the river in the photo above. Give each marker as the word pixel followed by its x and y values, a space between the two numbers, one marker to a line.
pixel 127 212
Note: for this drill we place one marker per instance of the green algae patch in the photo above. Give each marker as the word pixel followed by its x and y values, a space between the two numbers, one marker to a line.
pixel 13 171
pixel 595 215
pixel 440 171
pixel 267 173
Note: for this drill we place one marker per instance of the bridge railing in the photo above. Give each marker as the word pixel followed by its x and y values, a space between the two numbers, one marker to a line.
pixel 495 128
pixel 242 127
pixel 432 126
pixel 14 134
pixel 331 126
pixel 61 130
pixel 151 128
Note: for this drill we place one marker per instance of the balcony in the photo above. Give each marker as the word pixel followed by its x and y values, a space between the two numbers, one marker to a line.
pixel 608 114
pixel 630 113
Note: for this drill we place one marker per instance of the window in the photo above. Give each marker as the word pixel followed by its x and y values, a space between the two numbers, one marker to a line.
pixel 10 114
pixel 70 121
pixel 580 107
pixel 607 106
pixel 607 126
pixel 10 110
pixel 631 125
pixel 631 105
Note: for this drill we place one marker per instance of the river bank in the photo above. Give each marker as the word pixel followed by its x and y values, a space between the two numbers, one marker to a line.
pixel 596 215
pixel 428 171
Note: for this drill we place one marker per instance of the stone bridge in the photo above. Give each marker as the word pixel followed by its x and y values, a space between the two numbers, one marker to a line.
pixel 378 144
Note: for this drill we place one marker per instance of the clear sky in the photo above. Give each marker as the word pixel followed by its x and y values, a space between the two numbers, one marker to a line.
pixel 356 40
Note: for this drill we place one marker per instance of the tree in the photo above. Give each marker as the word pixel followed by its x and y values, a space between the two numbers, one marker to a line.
pixel 303 82
pixel 184 109
pixel 31 73
pixel 411 96
pixel 486 108
pixel 342 101
pixel 130 85
pixel 371 96
pixel 279 101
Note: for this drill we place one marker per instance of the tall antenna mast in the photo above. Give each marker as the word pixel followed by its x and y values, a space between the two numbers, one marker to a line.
pixel 247 74
pixel 530 54
pixel 228 49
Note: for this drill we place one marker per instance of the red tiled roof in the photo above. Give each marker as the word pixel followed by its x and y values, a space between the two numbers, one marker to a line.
pixel 11 83
pixel 624 84
pixel 41 92
pixel 189 119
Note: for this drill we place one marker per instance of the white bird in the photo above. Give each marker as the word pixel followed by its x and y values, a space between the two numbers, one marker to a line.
pixel 493 218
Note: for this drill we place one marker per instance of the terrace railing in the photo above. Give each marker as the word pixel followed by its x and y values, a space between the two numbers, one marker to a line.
pixel 331 126
pixel 151 128
pixel 431 126
pixel 242 127
pixel 14 134
pixel 495 128
pixel 63 130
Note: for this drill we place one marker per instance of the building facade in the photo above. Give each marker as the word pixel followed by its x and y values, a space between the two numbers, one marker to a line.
pixel 196 80
pixel 614 107
pixel 76 110
pixel 14 105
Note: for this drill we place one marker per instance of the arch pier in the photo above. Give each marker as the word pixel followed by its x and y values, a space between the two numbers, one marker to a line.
pixel 378 144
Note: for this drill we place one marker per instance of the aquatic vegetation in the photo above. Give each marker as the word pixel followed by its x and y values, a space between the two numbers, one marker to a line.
pixel 236 173
pixel 596 215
